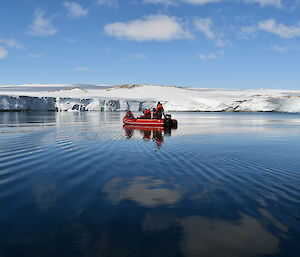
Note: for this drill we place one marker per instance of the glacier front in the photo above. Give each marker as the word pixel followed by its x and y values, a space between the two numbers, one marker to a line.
pixel 98 97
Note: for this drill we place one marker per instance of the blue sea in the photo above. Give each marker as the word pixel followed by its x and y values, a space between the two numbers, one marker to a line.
pixel 82 184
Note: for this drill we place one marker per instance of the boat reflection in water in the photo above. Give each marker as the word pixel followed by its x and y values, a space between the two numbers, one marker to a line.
pixel 156 134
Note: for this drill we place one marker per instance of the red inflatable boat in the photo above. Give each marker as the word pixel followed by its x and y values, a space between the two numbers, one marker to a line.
pixel 167 122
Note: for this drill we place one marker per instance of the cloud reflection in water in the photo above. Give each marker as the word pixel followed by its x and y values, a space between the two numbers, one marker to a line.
pixel 143 190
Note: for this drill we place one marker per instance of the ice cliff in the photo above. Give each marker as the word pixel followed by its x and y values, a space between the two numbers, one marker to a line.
pixel 137 97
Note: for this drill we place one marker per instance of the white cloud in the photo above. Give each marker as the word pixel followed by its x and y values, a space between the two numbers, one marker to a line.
pixel 247 32
pixel 165 2
pixel 75 10
pixel 262 3
pixel 280 30
pixel 280 49
pixel 81 69
pixel 8 42
pixel 3 52
pixel 110 3
pixel 205 26
pixel 211 56
pixel 41 26
pixel 272 27
pixel 11 43
pixel 275 3
pixel 153 27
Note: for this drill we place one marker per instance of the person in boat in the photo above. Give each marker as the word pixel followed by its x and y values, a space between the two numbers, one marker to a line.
pixel 159 110
pixel 129 115
pixel 147 114
pixel 153 115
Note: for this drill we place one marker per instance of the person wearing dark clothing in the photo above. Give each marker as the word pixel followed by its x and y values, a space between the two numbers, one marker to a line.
pixel 153 115
pixel 159 110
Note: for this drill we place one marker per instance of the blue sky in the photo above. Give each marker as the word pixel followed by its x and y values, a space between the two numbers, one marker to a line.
pixel 201 43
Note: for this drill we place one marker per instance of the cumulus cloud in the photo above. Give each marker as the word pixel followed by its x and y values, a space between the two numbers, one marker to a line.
pixel 3 52
pixel 153 27
pixel 211 56
pixel 41 25
pixel 110 3
pixel 275 3
pixel 205 26
pixel 271 26
pixel 280 30
pixel 75 10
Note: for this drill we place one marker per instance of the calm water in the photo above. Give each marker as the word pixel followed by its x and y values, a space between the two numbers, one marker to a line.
pixel 79 184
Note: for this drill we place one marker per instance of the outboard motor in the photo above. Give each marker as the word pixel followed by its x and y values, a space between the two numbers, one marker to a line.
pixel 168 122
pixel 174 124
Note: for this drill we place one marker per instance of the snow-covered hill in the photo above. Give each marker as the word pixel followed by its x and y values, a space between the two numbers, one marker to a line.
pixel 34 97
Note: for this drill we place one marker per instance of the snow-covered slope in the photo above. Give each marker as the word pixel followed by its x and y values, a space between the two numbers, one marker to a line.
pixel 136 97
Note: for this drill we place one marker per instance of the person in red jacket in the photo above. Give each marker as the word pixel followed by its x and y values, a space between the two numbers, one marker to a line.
pixel 147 114
pixel 159 110
pixel 129 114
